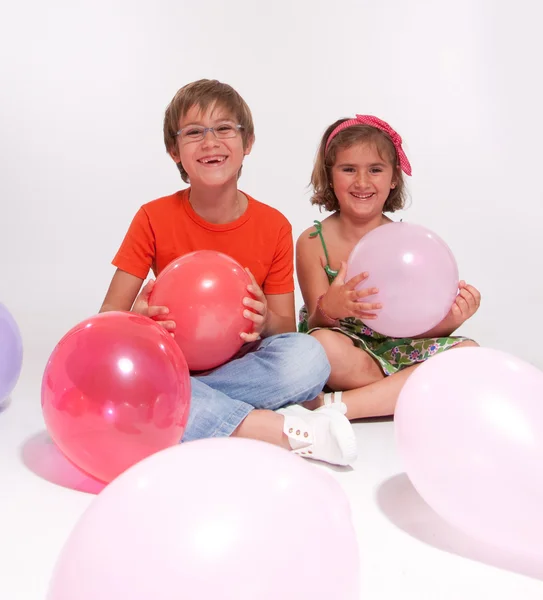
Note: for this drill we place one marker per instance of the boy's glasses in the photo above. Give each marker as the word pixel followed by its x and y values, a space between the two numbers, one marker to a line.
pixel 195 133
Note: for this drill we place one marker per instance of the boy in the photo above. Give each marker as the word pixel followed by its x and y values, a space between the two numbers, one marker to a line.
pixel 208 130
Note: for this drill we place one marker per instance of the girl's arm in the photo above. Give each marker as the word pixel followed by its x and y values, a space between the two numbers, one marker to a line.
pixel 444 329
pixel 312 278
pixel 340 299
pixel 465 305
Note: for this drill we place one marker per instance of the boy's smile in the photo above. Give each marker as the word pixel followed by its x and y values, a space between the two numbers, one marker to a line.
pixel 211 161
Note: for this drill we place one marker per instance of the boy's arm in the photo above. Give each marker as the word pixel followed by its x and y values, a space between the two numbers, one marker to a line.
pixel 123 295
pixel 281 314
pixel 122 291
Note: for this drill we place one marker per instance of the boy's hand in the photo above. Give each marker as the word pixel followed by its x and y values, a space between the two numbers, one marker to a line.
pixel 342 299
pixel 157 313
pixel 259 305
pixel 465 305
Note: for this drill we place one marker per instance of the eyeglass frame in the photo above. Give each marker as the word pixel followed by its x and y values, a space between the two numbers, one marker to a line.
pixel 237 127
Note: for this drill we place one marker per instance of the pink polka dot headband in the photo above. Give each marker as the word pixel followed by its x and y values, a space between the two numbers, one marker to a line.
pixel 378 124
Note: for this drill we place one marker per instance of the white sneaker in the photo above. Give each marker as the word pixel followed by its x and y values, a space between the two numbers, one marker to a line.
pixel 324 434
pixel 333 400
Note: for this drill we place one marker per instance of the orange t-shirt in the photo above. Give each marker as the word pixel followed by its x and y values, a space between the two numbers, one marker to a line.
pixel 167 228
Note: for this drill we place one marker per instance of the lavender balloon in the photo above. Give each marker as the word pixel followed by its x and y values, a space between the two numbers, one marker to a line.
pixel 11 353
pixel 416 275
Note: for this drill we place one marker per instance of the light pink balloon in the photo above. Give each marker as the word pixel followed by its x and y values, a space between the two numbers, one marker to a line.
pixel 469 428
pixel 221 518
pixel 416 275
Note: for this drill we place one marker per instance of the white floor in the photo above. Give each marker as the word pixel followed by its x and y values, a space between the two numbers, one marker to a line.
pixel 407 552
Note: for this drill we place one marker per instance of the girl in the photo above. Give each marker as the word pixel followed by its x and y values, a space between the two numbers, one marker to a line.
pixel 358 176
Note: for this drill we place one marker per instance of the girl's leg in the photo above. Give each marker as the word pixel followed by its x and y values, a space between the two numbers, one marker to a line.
pixel 351 367
pixel 377 398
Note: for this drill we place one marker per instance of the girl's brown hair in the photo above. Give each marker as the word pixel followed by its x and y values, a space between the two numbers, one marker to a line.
pixel 321 178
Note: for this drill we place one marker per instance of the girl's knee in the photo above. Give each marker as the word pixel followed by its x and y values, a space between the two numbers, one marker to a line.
pixel 335 344
pixel 331 341
pixel 326 337
pixel 366 363
pixel 467 344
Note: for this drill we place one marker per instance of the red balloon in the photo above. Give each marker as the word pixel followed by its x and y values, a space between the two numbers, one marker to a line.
pixel 204 293
pixel 115 390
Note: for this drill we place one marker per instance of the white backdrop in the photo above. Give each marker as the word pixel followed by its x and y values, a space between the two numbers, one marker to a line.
pixel 84 88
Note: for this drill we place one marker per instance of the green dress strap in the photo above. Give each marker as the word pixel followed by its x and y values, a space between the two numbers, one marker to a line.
pixel 331 273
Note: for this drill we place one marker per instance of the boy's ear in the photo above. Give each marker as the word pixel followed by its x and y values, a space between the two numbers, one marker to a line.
pixel 249 145
pixel 174 153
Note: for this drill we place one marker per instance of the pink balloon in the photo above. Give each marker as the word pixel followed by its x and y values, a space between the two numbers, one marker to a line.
pixel 226 518
pixel 416 275
pixel 204 293
pixel 115 389
pixel 469 428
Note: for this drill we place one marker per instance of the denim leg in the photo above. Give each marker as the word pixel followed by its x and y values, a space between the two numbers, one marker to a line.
pixel 212 413
pixel 288 368
pixel 283 369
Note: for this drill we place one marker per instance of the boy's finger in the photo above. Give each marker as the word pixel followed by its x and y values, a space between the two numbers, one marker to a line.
pixel 168 325
pixel 249 337
pixel 257 306
pixel 157 311
pixel 147 289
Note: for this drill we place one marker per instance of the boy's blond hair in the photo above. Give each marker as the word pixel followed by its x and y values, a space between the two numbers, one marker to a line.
pixel 206 93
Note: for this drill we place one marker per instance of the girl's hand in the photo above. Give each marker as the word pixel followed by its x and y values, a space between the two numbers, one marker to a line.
pixel 157 313
pixel 259 314
pixel 465 305
pixel 342 299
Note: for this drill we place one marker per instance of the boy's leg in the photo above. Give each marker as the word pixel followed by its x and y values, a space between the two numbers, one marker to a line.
pixel 288 368
pixel 212 413
pixel 325 436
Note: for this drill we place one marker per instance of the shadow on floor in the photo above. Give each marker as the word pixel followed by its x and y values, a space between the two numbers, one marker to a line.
pixel 40 454
pixel 404 507
pixel 4 404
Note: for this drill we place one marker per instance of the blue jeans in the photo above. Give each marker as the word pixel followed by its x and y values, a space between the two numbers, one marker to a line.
pixel 282 369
